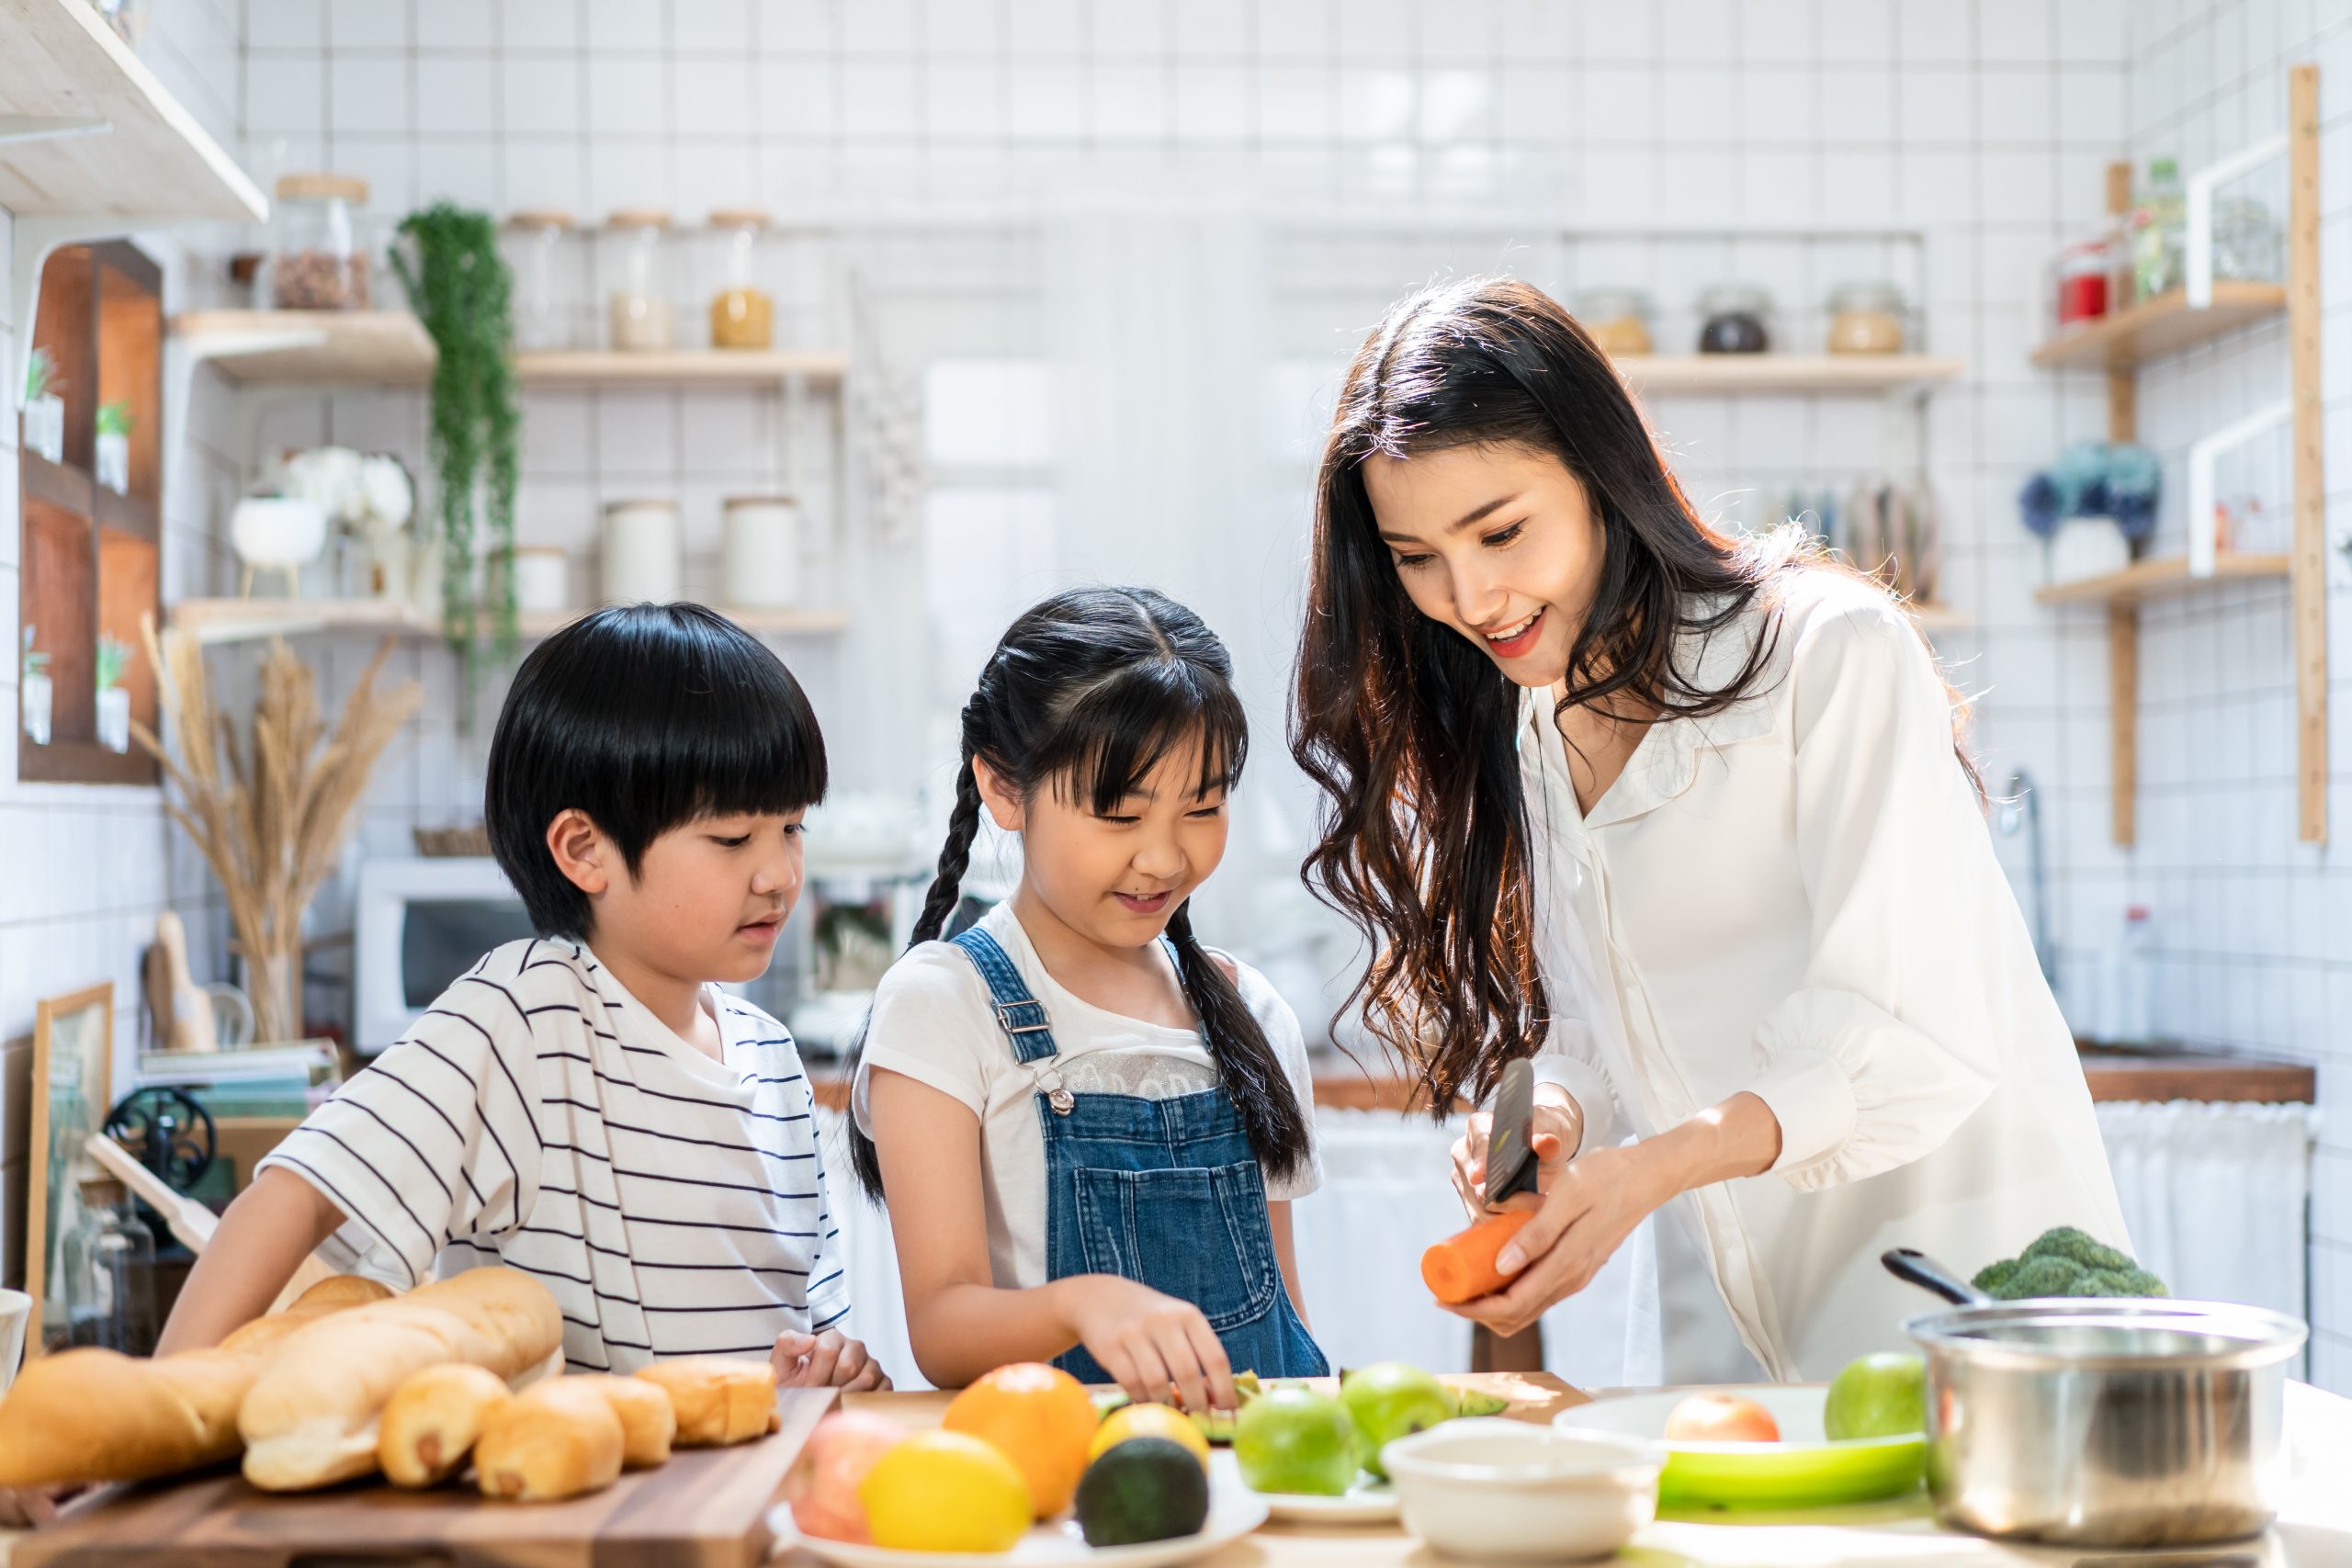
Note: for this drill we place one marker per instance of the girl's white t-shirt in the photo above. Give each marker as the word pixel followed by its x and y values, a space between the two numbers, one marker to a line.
pixel 935 1021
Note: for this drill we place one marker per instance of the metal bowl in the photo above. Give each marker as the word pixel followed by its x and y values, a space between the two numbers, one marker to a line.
pixel 2107 1423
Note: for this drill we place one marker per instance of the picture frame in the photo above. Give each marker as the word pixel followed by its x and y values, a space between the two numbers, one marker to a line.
pixel 72 1089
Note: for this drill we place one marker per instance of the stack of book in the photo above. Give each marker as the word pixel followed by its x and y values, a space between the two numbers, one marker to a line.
pixel 284 1080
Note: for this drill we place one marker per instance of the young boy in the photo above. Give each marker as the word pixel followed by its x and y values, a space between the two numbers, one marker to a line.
pixel 589 1107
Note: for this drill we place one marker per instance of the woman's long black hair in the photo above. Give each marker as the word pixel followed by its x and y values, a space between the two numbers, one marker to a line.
pixel 1412 731
pixel 1084 695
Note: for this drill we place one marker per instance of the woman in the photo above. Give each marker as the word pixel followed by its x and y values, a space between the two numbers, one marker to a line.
pixel 1688 818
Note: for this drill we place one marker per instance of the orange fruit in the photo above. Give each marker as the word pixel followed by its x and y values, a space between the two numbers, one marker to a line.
pixel 1038 1416
pixel 1148 1421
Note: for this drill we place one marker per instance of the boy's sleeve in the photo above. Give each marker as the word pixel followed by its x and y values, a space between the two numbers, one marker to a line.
pixel 828 1294
pixel 434 1140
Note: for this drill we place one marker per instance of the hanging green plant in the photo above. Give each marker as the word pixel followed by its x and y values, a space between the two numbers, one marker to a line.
pixel 459 287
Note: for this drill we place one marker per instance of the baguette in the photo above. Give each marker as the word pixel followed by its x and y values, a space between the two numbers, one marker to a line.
pixel 718 1401
pixel 555 1439
pixel 433 1420
pixel 649 1421
pixel 93 1414
pixel 312 1417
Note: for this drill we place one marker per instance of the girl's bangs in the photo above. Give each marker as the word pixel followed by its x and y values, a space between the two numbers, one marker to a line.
pixel 1110 741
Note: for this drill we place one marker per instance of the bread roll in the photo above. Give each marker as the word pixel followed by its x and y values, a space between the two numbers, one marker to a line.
pixel 311 1418
pixel 649 1421
pixel 555 1439
pixel 92 1414
pixel 430 1423
pixel 718 1401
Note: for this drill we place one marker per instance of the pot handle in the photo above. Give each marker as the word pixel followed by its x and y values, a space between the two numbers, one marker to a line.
pixel 1919 1269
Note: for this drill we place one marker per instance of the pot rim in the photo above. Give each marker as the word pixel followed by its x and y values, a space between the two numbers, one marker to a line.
pixel 2264 1337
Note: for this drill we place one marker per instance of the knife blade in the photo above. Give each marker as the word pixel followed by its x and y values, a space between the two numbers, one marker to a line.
pixel 1510 1137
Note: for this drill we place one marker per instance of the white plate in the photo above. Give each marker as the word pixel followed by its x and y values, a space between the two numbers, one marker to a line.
pixel 1234 1512
pixel 1368 1502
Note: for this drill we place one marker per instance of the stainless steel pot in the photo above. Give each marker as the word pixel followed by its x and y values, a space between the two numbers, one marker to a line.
pixel 2092 1422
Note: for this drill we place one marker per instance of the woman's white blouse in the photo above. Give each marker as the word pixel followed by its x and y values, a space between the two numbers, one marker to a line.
pixel 1798 897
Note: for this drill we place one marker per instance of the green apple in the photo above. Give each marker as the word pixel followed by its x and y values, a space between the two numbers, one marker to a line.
pixel 1389 1400
pixel 1884 1395
pixel 1293 1440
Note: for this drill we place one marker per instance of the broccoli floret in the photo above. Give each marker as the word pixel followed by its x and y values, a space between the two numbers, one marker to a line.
pixel 2038 1277
pixel 2066 1241
pixel 1995 1277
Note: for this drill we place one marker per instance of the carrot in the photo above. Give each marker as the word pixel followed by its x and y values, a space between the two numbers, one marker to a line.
pixel 1463 1266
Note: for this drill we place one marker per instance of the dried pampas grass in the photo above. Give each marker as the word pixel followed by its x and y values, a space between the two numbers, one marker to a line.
pixel 271 816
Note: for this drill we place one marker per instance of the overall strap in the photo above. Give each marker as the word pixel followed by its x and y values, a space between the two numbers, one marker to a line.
pixel 1021 1015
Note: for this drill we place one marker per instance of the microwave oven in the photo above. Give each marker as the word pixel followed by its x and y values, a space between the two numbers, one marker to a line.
pixel 421 923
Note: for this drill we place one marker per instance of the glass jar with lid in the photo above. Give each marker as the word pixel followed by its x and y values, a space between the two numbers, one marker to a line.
pixel 1735 319
pixel 542 250
pixel 1866 317
pixel 635 277
pixel 109 1263
pixel 318 259
pixel 1618 320
pixel 742 312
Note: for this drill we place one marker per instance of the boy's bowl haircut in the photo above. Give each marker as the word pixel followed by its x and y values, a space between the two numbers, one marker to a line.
pixel 645 718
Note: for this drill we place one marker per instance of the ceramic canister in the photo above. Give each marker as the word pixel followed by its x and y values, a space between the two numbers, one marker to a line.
pixel 760 552
pixel 542 580
pixel 644 560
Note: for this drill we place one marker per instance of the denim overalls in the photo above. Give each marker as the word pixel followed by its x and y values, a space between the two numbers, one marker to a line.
pixel 1166 1192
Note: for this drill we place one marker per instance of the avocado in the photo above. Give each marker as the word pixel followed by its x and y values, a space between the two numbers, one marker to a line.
pixel 1470 1401
pixel 1143 1489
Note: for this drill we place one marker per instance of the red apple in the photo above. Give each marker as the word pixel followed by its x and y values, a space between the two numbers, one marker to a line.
pixel 823 1488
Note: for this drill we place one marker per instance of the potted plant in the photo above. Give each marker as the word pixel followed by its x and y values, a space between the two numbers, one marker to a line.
pixel 114 703
pixel 33 693
pixel 44 410
pixel 461 288
pixel 114 421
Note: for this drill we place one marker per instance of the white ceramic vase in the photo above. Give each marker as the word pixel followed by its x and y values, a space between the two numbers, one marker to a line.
pixel 113 461
pixel 36 697
pixel 114 719
pixel 277 533
pixel 45 426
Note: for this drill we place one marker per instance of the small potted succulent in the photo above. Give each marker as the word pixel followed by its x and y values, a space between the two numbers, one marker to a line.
pixel 44 410
pixel 114 703
pixel 114 421
pixel 33 693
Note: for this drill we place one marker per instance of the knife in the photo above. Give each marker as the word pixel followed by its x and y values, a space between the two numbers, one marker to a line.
pixel 1510 1137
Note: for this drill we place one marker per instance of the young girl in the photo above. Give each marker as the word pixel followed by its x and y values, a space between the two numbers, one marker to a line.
pixel 1088 1127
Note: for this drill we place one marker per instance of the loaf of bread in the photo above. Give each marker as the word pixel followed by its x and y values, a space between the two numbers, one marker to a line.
pixel 718 1401
pixel 556 1438
pixel 431 1422
pixel 92 1414
pixel 312 1416
pixel 649 1421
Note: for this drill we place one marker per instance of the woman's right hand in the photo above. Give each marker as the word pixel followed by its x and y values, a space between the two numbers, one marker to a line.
pixel 1148 1342
pixel 1558 1129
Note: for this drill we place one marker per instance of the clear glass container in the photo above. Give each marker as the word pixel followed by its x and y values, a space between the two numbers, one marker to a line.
pixel 2082 294
pixel 1866 317
pixel 542 251
pixel 742 311
pixel 319 260
pixel 109 1261
pixel 1734 318
pixel 2246 242
pixel 1617 319
pixel 635 259
pixel 2158 227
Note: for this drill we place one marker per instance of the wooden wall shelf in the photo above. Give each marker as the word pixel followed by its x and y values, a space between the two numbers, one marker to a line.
pixel 1722 374
pixel 391 348
pixel 2163 579
pixel 2165 324
pixel 250 620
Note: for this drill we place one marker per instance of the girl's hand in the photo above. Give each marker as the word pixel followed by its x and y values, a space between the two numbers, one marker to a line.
pixel 1557 1129
pixel 830 1359
pixel 23 1506
pixel 1148 1342
pixel 1588 1210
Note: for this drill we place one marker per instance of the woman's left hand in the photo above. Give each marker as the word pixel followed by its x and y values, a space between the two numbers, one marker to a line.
pixel 1591 1207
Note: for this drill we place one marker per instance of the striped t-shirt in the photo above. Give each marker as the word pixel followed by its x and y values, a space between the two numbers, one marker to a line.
pixel 539 1116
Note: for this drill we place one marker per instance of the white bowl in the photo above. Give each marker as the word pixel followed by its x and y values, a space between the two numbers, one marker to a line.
pixel 1506 1491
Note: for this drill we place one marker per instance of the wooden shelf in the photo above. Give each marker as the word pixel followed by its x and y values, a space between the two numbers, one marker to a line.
pixel 1940 617
pixel 2162 325
pixel 93 133
pixel 2160 579
pixel 247 620
pixel 390 348
pixel 1730 373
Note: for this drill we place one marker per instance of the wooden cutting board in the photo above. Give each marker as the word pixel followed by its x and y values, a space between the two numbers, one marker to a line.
pixel 706 1509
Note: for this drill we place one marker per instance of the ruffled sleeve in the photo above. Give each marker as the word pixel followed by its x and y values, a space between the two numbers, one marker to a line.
pixel 1888 1045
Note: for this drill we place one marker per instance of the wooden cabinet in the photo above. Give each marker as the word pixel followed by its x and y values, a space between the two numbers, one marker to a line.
pixel 91 521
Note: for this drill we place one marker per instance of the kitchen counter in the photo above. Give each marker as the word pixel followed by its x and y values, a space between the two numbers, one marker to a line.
pixel 2315 1529
pixel 2115 1072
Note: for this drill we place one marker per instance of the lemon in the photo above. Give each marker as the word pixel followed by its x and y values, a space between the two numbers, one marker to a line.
pixel 1148 1421
pixel 945 1492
